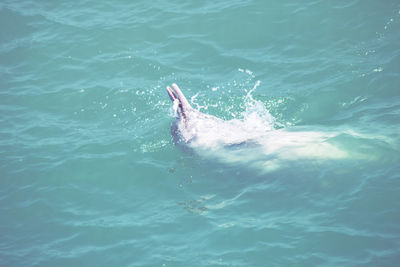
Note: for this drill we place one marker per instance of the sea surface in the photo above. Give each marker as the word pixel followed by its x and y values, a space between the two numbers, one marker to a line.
pixel 91 176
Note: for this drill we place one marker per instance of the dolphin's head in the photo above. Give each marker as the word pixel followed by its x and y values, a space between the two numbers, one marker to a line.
pixel 176 95
pixel 180 128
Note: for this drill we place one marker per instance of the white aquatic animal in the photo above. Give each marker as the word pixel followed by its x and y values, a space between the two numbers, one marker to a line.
pixel 251 141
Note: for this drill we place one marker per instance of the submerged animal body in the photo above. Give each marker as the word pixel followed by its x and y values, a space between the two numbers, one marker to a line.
pixel 252 141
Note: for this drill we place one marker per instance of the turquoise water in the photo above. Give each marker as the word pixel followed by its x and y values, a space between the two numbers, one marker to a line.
pixel 90 175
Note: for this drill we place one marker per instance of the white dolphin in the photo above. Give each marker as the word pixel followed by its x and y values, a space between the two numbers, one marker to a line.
pixel 249 141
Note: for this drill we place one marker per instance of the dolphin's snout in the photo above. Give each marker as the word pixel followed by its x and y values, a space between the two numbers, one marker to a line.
pixel 176 93
pixel 171 94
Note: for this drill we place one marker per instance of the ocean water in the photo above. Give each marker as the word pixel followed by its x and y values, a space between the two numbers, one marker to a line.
pixel 91 176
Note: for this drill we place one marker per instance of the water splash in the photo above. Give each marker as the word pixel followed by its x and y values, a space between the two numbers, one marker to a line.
pixel 256 116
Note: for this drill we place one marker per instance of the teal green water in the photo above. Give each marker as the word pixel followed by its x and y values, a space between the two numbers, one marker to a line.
pixel 90 175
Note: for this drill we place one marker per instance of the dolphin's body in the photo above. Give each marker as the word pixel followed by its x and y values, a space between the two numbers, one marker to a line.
pixel 248 141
